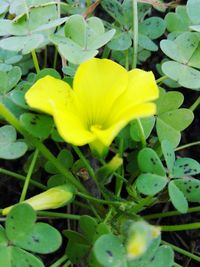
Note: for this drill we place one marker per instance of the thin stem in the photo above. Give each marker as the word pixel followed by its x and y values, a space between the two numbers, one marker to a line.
pixel 106 202
pixel 169 213
pixel 28 177
pixel 181 227
pixel 182 251
pixel 59 262
pixel 119 182
pixel 10 118
pixel 58 215
pixel 88 3
pixel 22 178
pixel 67 264
pixel 195 104
pixel 108 215
pixel 142 134
pixel 135 34
pixel 144 202
pixel 177 265
pixel 85 162
pixel 35 61
pixel 106 52
pixel 127 60
pixel 188 145
pixel 161 79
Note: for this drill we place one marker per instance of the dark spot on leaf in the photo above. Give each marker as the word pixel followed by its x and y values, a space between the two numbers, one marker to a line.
pixel 109 253
pixel 188 191
pixel 197 186
pixel 35 239
pixel 152 259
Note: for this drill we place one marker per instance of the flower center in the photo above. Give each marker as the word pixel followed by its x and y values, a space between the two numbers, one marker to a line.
pixel 95 127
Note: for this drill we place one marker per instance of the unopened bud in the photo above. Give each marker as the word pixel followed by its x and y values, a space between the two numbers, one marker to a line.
pixel 53 198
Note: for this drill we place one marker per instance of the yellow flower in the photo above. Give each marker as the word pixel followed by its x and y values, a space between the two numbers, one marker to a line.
pixel 104 99
pixel 52 198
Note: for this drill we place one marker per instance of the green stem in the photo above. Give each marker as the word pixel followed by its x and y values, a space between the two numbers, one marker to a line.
pixel 188 145
pixel 119 181
pixel 28 177
pixel 67 264
pixel 181 227
pixel 177 265
pixel 195 104
pixel 142 134
pixel 58 215
pixel 102 201
pixel 35 61
pixel 106 52
pixel 59 262
pixel 88 3
pixel 144 202
pixel 126 60
pixel 22 178
pixel 10 118
pixel 161 79
pixel 85 162
pixel 135 34
pixel 182 251
pixel 169 213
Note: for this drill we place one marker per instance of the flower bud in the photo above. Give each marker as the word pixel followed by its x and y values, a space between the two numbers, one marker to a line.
pixel 53 198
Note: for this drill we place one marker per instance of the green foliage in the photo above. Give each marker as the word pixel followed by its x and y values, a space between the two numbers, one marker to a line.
pixel 141 167
pixel 171 119
pixel 81 38
pixel 10 148
pixel 25 234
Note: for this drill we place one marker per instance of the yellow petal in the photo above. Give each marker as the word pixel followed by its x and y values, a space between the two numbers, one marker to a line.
pixel 142 88
pixel 106 136
pixel 72 128
pixel 47 93
pixel 97 84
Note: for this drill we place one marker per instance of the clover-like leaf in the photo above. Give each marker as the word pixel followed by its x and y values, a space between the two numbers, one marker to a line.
pixel 10 148
pixel 65 157
pixel 9 79
pixel 169 101
pixel 109 251
pixel 152 27
pixel 42 238
pixel 190 188
pixel 171 120
pixel 18 225
pixel 149 162
pixel 22 258
pixel 186 76
pixel 88 227
pixel 193 7
pixel 164 257
pixel 169 155
pixel 178 21
pixel 185 167
pixel 177 198
pixel 150 184
pixel 38 125
pixel 120 42
pixel 23 43
pixel 147 124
